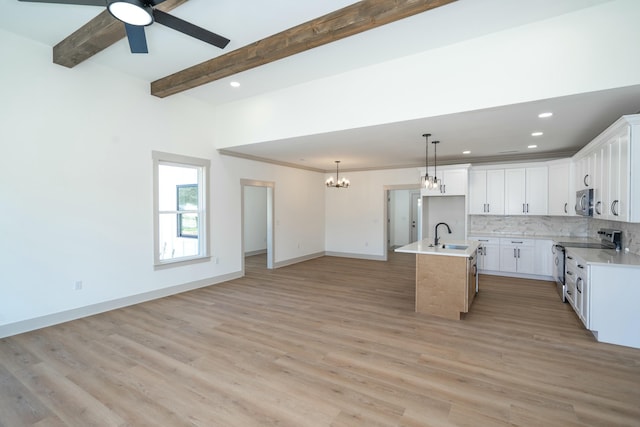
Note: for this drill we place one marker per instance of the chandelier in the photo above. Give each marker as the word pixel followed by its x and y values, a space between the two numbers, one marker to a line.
pixel 338 183
pixel 428 181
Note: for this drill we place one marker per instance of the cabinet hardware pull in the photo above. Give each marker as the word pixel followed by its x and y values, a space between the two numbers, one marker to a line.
pixel 569 257
pixel 483 240
pixel 527 207
pixel 570 273
pixel 598 210
pixel 580 266
pixel 614 207
pixel 518 252
pixel 565 208
pixel 488 208
pixel 586 178
pixel 514 241
pixel 514 253
pixel 523 208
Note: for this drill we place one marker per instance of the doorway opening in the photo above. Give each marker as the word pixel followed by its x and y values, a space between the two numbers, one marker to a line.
pixel 403 215
pixel 257 220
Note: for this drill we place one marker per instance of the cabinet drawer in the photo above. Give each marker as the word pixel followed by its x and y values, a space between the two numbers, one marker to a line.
pixel 515 241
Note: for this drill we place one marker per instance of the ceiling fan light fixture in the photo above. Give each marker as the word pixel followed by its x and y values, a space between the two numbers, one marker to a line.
pixel 133 12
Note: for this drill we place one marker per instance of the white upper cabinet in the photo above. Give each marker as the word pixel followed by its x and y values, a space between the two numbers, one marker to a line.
pixel 583 175
pixel 486 192
pixel 453 182
pixel 526 191
pixel 606 162
pixel 561 194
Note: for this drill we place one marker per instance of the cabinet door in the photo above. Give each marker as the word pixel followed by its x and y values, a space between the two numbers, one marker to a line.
pixel 543 262
pixel 620 175
pixel 560 202
pixel 536 191
pixel 599 169
pixel 514 189
pixel 492 257
pixel 495 192
pixel 454 182
pixel 583 173
pixel 525 259
pixel 508 258
pixel 478 192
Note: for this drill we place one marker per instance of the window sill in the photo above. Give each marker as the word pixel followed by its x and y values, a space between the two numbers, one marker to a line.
pixel 180 262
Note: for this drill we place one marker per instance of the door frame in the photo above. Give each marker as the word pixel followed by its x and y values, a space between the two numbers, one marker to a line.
pixel 385 211
pixel 270 186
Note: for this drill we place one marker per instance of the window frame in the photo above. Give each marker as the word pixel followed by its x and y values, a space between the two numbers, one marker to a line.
pixel 203 166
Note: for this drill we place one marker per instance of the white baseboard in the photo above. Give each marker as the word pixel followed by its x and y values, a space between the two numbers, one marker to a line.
pixel 291 261
pixel 517 275
pixel 358 256
pixel 258 252
pixel 89 310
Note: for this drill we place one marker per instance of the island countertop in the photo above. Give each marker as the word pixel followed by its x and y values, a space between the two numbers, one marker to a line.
pixel 426 247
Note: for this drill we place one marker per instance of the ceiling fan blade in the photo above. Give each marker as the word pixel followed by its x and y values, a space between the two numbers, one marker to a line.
pixel 102 3
pixel 137 39
pixel 190 29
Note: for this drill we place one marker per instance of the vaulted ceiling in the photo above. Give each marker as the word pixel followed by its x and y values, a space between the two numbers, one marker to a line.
pixel 352 35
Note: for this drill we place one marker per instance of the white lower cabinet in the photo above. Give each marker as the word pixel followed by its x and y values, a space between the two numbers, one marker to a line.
pixel 605 297
pixel 517 255
pixel 488 254
pixel 543 264
pixel 577 286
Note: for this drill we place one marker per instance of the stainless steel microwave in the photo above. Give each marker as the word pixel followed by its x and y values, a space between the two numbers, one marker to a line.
pixel 584 202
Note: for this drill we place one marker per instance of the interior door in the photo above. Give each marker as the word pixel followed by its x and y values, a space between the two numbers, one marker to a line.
pixel 414 222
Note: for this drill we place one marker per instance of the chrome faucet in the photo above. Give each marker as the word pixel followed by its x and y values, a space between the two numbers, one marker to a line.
pixel 435 242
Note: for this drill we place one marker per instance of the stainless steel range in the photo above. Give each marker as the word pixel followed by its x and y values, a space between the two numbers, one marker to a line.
pixel 609 239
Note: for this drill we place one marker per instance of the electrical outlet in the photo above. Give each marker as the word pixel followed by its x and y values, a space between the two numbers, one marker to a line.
pixel 78 285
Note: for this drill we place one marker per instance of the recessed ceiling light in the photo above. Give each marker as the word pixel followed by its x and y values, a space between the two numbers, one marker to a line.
pixel 466 152
pixel 536 134
pixel 532 146
pixel 545 115
pixel 235 84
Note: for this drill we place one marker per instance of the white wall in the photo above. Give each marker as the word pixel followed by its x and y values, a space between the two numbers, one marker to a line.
pixel 76 185
pixel 255 219
pixel 355 216
pixel 588 50
pixel 448 209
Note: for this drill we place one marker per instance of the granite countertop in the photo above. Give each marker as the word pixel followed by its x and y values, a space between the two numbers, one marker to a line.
pixel 425 247
pixel 606 257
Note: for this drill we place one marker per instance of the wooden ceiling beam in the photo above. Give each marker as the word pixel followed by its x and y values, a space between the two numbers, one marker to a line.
pixel 95 36
pixel 356 18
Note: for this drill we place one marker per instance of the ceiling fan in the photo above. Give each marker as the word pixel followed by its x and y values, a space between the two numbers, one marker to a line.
pixel 137 14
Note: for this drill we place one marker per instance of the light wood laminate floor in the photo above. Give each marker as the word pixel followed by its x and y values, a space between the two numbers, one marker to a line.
pixel 327 342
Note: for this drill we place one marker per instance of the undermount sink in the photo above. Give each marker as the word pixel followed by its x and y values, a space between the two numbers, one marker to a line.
pixel 456 247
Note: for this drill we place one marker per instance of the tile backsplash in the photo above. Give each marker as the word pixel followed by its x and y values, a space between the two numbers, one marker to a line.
pixel 554 226
pixel 630 232
pixel 529 225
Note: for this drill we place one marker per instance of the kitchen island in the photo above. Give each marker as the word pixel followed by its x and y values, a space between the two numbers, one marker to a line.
pixel 446 276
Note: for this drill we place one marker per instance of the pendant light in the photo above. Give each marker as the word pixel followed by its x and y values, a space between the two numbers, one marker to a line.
pixel 435 184
pixel 427 181
pixel 338 183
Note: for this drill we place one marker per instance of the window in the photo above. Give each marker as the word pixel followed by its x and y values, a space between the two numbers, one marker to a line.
pixel 180 208
pixel 187 207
